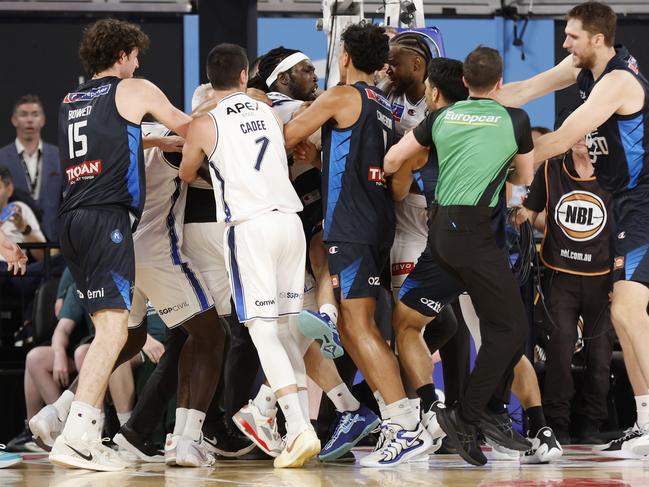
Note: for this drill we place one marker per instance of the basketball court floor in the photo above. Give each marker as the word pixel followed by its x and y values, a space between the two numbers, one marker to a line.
pixel 578 467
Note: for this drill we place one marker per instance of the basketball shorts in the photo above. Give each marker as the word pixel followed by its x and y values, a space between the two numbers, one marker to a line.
pixel 175 291
pixel 97 245
pixel 428 288
pixel 203 246
pixel 307 186
pixel 356 269
pixel 631 237
pixel 265 258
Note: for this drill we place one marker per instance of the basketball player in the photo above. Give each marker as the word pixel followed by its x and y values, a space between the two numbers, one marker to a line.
pixel 265 251
pixel 613 116
pixel 359 225
pixel 101 154
pixel 289 77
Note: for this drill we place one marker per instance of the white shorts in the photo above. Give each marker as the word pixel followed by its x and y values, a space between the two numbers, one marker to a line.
pixel 410 238
pixel 265 258
pixel 175 291
pixel 309 301
pixel 203 246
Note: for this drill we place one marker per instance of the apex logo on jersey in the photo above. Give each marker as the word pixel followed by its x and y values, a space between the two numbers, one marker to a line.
pixel 580 215
pixel 397 112
pixel 380 99
pixel 87 95
pixel 376 175
pixel 402 268
pixel 85 170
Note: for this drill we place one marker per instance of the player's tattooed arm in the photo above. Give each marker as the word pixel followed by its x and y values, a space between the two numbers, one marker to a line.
pixel 200 141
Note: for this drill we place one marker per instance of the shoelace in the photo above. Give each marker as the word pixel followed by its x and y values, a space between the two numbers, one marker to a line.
pixel 347 420
pixel 632 432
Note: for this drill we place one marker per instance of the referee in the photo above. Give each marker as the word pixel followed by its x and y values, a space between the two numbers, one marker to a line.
pixel 476 140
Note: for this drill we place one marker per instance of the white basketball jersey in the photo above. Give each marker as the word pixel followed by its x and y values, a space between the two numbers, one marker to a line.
pixel 406 115
pixel 159 234
pixel 248 166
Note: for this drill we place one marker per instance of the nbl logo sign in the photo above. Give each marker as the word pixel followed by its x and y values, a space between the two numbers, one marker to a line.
pixel 580 215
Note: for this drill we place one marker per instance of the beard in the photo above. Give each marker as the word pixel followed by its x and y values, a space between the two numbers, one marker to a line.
pixel 586 61
pixel 300 92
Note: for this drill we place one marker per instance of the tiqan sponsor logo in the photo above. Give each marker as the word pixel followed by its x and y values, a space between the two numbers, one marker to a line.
pixel 171 309
pixel 85 170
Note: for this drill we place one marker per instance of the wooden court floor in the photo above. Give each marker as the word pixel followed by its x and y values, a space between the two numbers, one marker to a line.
pixel 578 467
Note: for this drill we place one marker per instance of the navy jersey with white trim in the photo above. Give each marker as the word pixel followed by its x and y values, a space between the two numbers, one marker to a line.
pixel 619 148
pixel 357 203
pixel 101 152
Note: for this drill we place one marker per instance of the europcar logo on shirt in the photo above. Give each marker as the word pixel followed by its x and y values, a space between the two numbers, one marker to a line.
pixel 580 215
pixel 470 119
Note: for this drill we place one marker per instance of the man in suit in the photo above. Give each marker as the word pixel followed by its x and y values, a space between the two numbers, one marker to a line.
pixel 33 163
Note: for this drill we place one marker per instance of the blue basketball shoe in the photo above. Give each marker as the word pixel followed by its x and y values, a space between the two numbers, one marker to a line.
pixel 8 459
pixel 318 326
pixel 351 427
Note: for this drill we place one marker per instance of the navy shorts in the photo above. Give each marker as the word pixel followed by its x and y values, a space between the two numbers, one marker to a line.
pixel 98 247
pixel 428 288
pixel 631 237
pixel 356 269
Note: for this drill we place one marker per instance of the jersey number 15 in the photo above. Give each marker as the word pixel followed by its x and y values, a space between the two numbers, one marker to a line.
pixel 75 137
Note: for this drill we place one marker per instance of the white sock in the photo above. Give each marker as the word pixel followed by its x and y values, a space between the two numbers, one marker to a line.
pixel 295 420
pixel 385 415
pixel 343 399
pixel 642 408
pixel 303 396
pixel 402 414
pixel 331 311
pixel 124 417
pixel 100 423
pixel 265 400
pixel 83 419
pixel 415 404
pixel 181 420
pixel 63 403
pixel 194 424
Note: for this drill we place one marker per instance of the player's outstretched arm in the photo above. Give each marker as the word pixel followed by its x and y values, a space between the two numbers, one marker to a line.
pixel 523 169
pixel 518 93
pixel 605 99
pixel 136 97
pixel 401 181
pixel 201 140
pixel 399 153
pixel 316 115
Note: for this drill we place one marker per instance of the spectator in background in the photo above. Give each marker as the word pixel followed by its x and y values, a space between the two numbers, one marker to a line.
pixel 536 133
pixel 34 164
pixel 13 255
pixel 17 220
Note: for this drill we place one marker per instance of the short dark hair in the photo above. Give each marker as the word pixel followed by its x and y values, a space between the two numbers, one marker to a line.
pixel 267 64
pixel 5 175
pixel 224 65
pixel 446 75
pixel 367 45
pixel 28 98
pixel 541 130
pixel 483 67
pixel 596 18
pixel 103 41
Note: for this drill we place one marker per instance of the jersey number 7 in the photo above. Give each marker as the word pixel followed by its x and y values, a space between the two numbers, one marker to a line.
pixel 264 145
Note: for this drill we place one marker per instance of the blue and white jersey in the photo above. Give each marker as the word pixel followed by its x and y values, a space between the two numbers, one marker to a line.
pixel 159 234
pixel 248 165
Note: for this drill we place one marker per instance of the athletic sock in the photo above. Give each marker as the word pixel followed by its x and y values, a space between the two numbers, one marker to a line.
pixel 642 409
pixel 331 311
pixel 83 419
pixel 265 400
pixel 428 396
pixel 385 415
pixel 124 417
pixel 415 404
pixel 343 399
pixel 295 421
pixel 536 420
pixel 402 414
pixel 63 403
pixel 194 424
pixel 181 420
pixel 303 396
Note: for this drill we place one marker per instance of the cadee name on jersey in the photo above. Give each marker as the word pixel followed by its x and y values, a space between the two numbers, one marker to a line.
pixel 253 126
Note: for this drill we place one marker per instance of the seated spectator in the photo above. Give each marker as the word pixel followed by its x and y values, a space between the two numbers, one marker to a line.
pixel 34 164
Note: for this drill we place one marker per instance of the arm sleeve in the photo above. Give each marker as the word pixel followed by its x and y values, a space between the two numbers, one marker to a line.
pixel 522 130
pixel 537 196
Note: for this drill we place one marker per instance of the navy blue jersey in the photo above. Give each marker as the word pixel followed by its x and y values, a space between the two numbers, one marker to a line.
pixel 619 148
pixel 357 205
pixel 426 177
pixel 101 152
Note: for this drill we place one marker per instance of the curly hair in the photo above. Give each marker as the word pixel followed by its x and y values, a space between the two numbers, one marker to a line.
pixel 267 64
pixel 367 45
pixel 104 41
